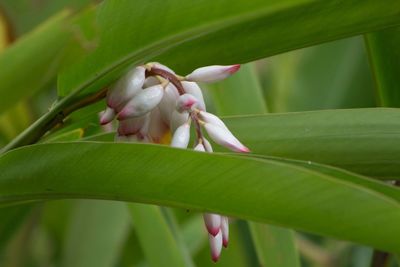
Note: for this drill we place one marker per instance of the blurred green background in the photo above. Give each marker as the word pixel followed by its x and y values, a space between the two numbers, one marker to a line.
pixel 101 233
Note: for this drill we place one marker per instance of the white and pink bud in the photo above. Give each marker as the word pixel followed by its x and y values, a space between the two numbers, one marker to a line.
pixel 107 116
pixel 215 246
pixel 157 127
pixel 212 222
pixel 142 103
pixel 168 102
pixel 177 119
pixel 225 230
pixel 186 102
pixel 131 126
pixel 212 73
pixel 225 138
pixel 126 88
pixel 207 145
pixel 181 136
pixel 193 89
pixel 211 118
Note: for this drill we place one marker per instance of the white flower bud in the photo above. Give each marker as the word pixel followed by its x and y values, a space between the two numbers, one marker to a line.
pixel 212 73
pixel 131 126
pixel 177 119
pixel 181 136
pixel 211 118
pixel 199 147
pixel 225 230
pixel 193 89
pixel 142 103
pixel 125 88
pixel 215 246
pixel 212 222
pixel 157 127
pixel 150 81
pixel 107 116
pixel 224 138
pixel 167 104
pixel 186 102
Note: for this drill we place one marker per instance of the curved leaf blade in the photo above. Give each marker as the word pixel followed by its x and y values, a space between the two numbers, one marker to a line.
pixel 289 195
pixel 255 29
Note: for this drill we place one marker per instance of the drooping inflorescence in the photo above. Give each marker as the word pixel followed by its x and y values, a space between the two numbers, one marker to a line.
pixel 151 100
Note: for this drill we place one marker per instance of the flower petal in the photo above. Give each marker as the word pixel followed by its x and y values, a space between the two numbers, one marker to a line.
pixel 107 116
pixel 181 136
pixel 212 222
pixel 215 246
pixel 225 231
pixel 224 138
pixel 142 103
pixel 186 102
pixel 212 73
pixel 193 89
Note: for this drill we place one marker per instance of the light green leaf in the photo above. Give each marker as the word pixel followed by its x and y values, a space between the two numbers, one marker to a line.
pixel 255 29
pixel 96 234
pixel 158 242
pixel 255 189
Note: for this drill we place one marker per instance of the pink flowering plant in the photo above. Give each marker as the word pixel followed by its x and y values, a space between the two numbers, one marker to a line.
pixel 181 133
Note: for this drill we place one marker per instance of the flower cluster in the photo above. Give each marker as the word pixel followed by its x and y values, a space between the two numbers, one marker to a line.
pixel 151 100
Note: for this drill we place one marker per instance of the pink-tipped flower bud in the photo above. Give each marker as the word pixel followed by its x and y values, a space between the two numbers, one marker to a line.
pixel 193 89
pixel 167 104
pixel 225 138
pixel 107 116
pixel 142 103
pixel 212 222
pixel 186 102
pixel 199 147
pixel 181 136
pixel 212 73
pixel 125 88
pixel 215 246
pixel 177 119
pixel 225 231
pixel 212 119
pixel 131 126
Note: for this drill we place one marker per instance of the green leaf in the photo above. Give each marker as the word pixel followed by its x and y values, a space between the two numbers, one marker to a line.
pixel 32 62
pixel 361 140
pixel 96 234
pixel 255 29
pixel 273 244
pixel 256 189
pixel 384 52
pixel 158 242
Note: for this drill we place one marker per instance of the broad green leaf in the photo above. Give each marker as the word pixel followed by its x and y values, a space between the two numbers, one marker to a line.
pixel 274 243
pixel 256 189
pixel 186 34
pixel 32 62
pixel 384 52
pixel 96 234
pixel 158 242
pixel 361 140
